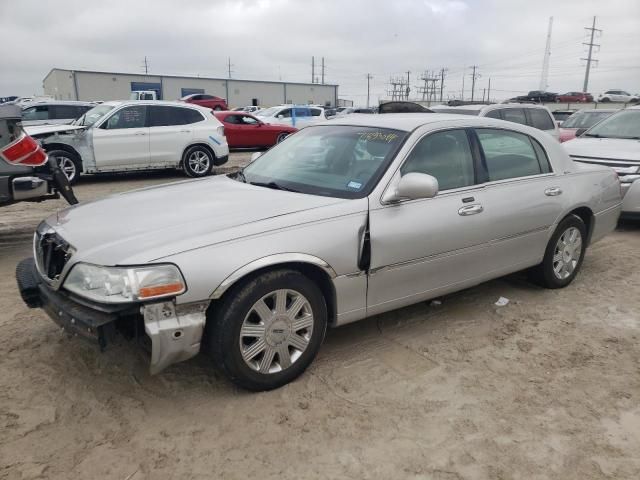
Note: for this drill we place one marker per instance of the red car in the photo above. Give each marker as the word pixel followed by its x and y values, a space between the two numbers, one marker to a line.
pixel 205 100
pixel 574 97
pixel 246 131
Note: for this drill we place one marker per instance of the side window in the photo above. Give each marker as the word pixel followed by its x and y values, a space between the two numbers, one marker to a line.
pixel 64 111
pixel 446 156
pixel 540 119
pixel 315 112
pixel 302 112
pixel 286 113
pixel 197 97
pixel 40 112
pixel 128 117
pixel 515 115
pixel 190 116
pixel 247 120
pixel 159 116
pixel 232 119
pixel 494 114
pixel 509 154
pixel 206 97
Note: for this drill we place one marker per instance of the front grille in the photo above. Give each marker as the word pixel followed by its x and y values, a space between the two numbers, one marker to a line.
pixel 606 162
pixel 52 254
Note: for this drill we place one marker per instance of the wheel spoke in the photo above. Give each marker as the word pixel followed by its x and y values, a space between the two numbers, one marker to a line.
pixel 254 349
pixel 281 301
pixel 557 257
pixel 252 330
pixel 284 358
pixel 302 322
pixel 298 342
pixel 263 311
pixel 296 306
pixel 267 360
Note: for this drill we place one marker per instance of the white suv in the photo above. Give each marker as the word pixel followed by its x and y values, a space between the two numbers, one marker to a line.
pixel 536 116
pixel 137 135
pixel 617 96
pixel 293 115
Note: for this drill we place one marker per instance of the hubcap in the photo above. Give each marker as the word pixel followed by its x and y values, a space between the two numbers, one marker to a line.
pixel 67 166
pixel 281 137
pixel 276 331
pixel 567 253
pixel 199 162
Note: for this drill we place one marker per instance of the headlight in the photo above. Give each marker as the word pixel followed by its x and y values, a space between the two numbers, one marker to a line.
pixel 124 284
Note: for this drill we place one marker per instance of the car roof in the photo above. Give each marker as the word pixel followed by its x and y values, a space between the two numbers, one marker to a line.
pixel 57 102
pixel 119 103
pixel 408 121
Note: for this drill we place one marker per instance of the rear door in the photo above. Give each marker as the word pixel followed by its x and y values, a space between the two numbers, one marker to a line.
pixel 170 131
pixel 121 141
pixel 541 119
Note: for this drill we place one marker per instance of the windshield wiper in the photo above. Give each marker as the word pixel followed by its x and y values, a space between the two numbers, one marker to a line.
pixel 274 185
pixel 594 135
pixel 240 176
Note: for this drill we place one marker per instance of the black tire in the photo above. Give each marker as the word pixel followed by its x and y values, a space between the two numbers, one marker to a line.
pixel 605 100
pixel 197 161
pixel 69 162
pixel 282 136
pixel 223 332
pixel 545 274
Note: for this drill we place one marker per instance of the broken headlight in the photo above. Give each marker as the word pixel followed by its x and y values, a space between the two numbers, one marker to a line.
pixel 125 284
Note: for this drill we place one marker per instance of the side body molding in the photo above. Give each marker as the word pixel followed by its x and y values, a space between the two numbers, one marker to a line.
pixel 268 261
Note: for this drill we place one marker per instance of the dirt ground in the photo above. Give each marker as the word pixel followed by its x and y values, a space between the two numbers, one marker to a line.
pixel 546 387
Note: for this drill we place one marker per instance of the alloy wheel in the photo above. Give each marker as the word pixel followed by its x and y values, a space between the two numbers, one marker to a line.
pixel 276 331
pixel 67 166
pixel 567 253
pixel 199 162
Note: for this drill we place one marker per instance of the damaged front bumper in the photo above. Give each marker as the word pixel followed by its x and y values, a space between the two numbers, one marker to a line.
pixel 175 331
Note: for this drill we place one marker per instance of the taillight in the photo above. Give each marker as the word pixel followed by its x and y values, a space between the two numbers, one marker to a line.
pixel 24 151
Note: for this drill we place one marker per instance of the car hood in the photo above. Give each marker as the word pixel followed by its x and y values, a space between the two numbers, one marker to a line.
pixel 604 148
pixel 36 130
pixel 152 223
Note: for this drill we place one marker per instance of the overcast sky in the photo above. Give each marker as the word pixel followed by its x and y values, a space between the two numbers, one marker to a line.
pixel 275 39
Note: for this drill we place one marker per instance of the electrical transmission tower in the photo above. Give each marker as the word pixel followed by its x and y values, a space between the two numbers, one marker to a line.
pixel 590 58
pixel 544 78
pixel 398 88
pixel 429 88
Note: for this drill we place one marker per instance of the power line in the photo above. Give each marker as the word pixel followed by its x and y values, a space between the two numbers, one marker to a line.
pixel 589 58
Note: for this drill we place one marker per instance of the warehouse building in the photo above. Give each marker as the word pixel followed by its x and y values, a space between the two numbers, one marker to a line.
pixel 88 86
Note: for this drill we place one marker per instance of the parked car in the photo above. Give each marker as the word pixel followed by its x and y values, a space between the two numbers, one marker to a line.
pixel 340 222
pixel 26 174
pixel 8 99
pixel 56 112
pixel 350 110
pixel 583 119
pixel 536 116
pixel 538 96
pixel 137 135
pixel 205 100
pixel 400 106
pixel 243 130
pixel 248 109
pixel 617 96
pixel 143 95
pixel 561 115
pixel 574 97
pixel 294 115
pixel 614 142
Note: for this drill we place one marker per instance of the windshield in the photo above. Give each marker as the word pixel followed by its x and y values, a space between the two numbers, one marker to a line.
pixel 268 112
pixel 329 160
pixel 624 124
pixel 585 119
pixel 93 115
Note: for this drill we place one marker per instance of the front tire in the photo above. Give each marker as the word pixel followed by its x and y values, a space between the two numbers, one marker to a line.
pixel 69 163
pixel 605 100
pixel 564 254
pixel 281 137
pixel 197 161
pixel 268 330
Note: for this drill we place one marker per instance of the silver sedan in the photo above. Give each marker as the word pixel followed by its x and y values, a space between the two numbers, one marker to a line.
pixel 339 222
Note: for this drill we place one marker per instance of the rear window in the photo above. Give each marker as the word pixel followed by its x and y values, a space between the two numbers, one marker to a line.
pixel 163 116
pixel 40 112
pixel 541 119
pixel 515 115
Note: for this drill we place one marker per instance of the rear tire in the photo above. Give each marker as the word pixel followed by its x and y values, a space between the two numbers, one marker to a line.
pixel 197 161
pixel 564 254
pixel 267 331
pixel 605 100
pixel 69 162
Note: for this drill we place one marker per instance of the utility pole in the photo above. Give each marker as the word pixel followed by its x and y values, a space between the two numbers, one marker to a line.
pixel 229 65
pixel 463 75
pixel 489 91
pixel 369 78
pixel 408 87
pixel 442 75
pixel 589 59
pixel 323 70
pixel 146 66
pixel 474 76
pixel 544 78
pixel 313 70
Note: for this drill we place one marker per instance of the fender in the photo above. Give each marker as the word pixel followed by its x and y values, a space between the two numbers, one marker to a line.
pixel 270 260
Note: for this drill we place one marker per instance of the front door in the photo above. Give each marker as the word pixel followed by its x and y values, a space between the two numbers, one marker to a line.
pixel 422 248
pixel 122 140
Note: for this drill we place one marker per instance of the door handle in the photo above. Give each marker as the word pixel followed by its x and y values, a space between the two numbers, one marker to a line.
pixel 471 210
pixel 140 133
pixel 553 191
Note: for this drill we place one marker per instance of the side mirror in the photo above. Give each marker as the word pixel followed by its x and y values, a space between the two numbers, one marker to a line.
pixel 580 131
pixel 413 186
pixel 255 156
